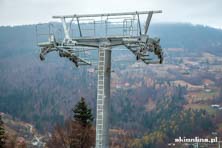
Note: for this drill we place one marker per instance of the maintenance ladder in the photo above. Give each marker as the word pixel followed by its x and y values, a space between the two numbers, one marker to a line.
pixel 100 99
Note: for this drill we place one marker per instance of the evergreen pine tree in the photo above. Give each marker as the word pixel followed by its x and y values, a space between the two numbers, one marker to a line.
pixel 83 133
pixel 2 133
pixel 82 113
pixel 78 133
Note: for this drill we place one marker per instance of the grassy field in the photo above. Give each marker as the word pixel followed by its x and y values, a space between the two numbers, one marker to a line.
pixel 206 107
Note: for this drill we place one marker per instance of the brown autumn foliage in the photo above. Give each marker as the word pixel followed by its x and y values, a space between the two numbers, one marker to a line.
pixel 13 141
pixel 121 138
pixel 72 135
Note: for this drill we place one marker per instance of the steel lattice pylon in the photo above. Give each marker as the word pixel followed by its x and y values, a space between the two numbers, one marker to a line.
pixel 102 36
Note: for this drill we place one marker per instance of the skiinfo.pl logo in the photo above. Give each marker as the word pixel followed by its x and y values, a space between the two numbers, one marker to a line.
pixel 196 140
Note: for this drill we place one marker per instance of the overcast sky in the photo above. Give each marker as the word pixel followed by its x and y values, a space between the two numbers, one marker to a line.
pixel 205 12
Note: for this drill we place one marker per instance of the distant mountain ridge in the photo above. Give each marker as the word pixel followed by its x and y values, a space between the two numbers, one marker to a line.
pixel 187 36
pixel 20 39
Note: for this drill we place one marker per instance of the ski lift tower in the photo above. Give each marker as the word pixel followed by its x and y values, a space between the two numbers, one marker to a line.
pixel 101 32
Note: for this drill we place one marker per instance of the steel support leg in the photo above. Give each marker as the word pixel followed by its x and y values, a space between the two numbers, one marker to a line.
pixel 103 97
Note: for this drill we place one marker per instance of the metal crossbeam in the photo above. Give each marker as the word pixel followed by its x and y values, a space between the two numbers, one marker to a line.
pixel 107 14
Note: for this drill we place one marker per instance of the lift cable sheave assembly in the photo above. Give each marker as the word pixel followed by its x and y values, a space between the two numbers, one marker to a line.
pixel 102 32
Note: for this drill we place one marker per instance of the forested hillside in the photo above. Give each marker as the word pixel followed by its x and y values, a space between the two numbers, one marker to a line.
pixel 148 101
